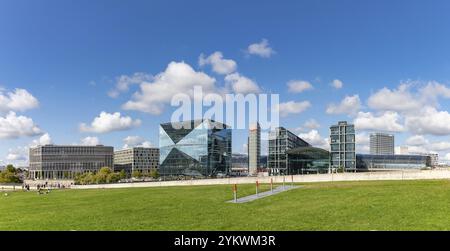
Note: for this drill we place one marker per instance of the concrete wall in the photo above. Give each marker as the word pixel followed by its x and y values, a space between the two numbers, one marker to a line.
pixel 397 175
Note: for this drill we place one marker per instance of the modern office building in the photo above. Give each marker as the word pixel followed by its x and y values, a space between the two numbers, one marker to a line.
pixel 434 157
pixel 382 143
pixel 342 147
pixel 141 159
pixel 254 149
pixel 65 162
pixel 305 160
pixel 280 141
pixel 374 162
pixel 194 148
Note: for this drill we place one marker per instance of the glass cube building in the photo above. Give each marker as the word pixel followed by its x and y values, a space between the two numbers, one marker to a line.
pixel 196 148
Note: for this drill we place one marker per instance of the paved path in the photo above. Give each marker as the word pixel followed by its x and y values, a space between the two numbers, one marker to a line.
pixel 253 197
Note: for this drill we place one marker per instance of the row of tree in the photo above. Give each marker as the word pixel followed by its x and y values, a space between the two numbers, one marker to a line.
pixel 106 175
pixel 10 175
pixel 103 176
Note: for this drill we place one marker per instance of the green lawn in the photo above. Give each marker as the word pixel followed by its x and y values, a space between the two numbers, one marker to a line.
pixel 374 205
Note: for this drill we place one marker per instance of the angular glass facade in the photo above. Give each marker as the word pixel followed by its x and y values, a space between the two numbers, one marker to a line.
pixel 194 148
pixel 391 162
pixel 304 160
pixel 280 141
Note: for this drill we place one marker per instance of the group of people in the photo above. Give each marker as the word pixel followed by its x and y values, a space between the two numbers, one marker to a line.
pixel 45 187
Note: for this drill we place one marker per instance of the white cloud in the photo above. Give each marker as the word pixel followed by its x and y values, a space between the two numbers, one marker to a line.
pixel 400 100
pixel 135 141
pixel 241 84
pixel 298 86
pixel 349 105
pixel 45 139
pixel 337 84
pixel 178 77
pixel 108 122
pixel 18 100
pixel 16 155
pixel 292 107
pixel 90 141
pixel 429 121
pixel 416 140
pixel 123 82
pixel 311 124
pixel 313 137
pixel 218 63
pixel 13 126
pixel 362 141
pixel 261 49
pixel 388 121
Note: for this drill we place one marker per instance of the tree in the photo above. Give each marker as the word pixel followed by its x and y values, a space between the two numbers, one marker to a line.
pixel 10 175
pixel 122 174
pixel 136 174
pixel 154 174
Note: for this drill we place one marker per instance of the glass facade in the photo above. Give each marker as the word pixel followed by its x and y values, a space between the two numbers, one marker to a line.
pixel 386 162
pixel 342 146
pixel 304 160
pixel 194 148
pixel 280 141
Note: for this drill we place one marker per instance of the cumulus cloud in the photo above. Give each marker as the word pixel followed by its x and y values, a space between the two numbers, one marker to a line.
pixel 90 141
pixel 388 121
pixel 400 100
pixel 17 100
pixel 311 124
pixel 135 141
pixel 218 63
pixel 261 49
pixel 362 141
pixel 241 84
pixel 429 121
pixel 349 105
pixel 124 82
pixel 45 139
pixel 337 84
pixel 313 137
pixel 178 77
pixel 298 86
pixel 108 122
pixel 416 140
pixel 292 107
pixel 13 126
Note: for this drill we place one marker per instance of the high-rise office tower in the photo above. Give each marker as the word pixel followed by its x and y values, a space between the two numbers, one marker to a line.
pixel 381 144
pixel 342 147
pixel 254 149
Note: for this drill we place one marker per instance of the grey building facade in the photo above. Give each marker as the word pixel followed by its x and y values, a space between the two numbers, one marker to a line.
pixel 254 149
pixel 342 147
pixel 382 143
pixel 280 141
pixel 142 159
pixel 65 162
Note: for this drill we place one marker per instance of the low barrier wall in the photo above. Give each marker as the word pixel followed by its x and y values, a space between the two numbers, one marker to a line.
pixel 394 175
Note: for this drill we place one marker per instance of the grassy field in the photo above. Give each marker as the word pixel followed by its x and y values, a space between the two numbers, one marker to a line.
pixel 374 205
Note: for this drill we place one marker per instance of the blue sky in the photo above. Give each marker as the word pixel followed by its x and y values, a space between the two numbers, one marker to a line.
pixel 70 54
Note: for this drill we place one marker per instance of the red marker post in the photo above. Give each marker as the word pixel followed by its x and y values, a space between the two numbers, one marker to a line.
pixel 292 180
pixel 235 192
pixel 257 185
